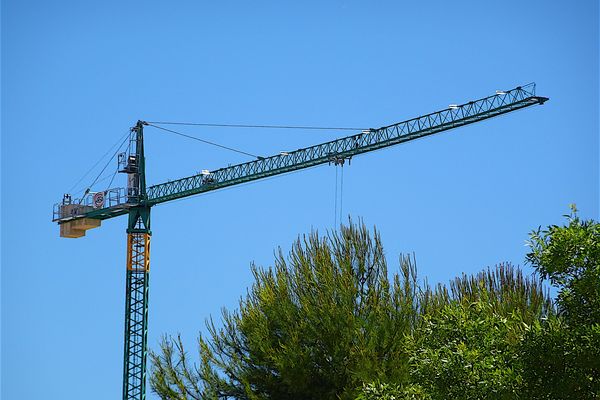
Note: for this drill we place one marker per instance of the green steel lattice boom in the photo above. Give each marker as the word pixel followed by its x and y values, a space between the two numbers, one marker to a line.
pixel 346 147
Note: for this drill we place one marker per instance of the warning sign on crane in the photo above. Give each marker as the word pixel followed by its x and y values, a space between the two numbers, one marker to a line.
pixel 99 200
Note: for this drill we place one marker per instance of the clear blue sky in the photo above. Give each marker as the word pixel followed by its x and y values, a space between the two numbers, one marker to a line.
pixel 76 75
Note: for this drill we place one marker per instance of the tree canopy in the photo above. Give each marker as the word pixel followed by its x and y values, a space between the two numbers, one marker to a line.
pixel 328 321
pixel 569 256
pixel 316 325
pixel 560 356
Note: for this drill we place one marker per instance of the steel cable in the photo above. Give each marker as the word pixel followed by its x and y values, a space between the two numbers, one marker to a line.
pixel 204 141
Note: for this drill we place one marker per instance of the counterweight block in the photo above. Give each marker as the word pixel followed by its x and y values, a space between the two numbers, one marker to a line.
pixel 78 227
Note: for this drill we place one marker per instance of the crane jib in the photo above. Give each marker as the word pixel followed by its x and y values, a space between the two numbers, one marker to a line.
pixel 327 152
pixel 453 117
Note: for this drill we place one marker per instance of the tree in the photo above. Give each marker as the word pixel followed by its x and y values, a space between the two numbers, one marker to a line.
pixel 504 288
pixel 316 325
pixel 569 256
pixel 465 346
pixel 560 357
pixel 326 322
pixel 386 391
pixel 467 351
pixel 560 362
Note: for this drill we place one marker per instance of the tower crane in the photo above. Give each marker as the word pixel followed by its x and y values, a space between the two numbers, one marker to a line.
pixel 76 216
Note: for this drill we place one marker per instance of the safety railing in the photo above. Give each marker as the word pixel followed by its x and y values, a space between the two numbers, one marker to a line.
pixel 77 208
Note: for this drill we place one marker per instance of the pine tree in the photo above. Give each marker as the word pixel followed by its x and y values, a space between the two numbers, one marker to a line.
pixel 316 325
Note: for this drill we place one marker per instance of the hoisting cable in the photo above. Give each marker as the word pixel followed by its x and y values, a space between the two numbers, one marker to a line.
pixel 341 191
pixel 335 199
pixel 204 141
pixel 328 128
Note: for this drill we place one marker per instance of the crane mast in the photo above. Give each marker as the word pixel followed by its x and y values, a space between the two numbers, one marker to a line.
pixel 75 217
pixel 138 271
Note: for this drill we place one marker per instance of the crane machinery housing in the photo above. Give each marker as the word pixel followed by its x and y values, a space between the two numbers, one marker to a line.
pixel 76 216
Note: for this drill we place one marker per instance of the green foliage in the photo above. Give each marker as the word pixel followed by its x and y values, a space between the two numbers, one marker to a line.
pixel 172 372
pixel 314 326
pixel 467 351
pixel 326 322
pixel 569 256
pixel 503 288
pixel 561 357
pixel 561 362
pixel 385 391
